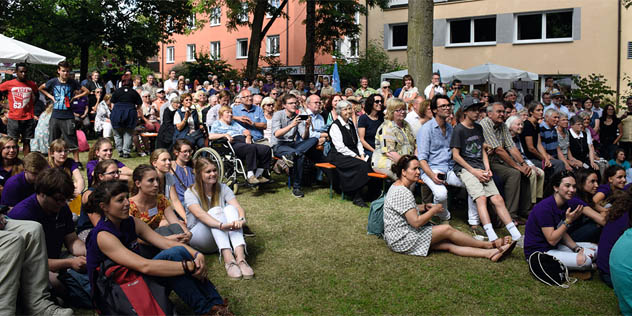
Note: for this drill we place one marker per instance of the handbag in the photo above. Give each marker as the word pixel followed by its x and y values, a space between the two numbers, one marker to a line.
pixel 549 270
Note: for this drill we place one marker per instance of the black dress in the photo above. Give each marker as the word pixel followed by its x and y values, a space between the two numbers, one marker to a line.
pixel 353 172
pixel 167 129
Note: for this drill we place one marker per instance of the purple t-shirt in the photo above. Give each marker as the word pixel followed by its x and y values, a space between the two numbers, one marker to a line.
pixel 56 227
pixel 544 214
pixel 16 189
pixel 609 236
pixel 93 164
pixel 126 234
pixel 79 105
pixel 605 189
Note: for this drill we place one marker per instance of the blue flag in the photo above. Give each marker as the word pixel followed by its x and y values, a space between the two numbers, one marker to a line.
pixel 335 81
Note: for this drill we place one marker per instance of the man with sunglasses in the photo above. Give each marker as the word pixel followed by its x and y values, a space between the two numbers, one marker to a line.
pixel 557 104
pixel 49 207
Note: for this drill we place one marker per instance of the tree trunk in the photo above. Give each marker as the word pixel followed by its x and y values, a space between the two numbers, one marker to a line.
pixel 420 19
pixel 84 57
pixel 310 46
pixel 254 47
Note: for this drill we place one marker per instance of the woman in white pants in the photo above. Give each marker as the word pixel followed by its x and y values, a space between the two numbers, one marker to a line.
pixel 215 219
pixel 547 227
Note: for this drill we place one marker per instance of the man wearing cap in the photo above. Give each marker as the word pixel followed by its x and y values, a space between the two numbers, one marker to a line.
pixel 510 171
pixel 473 168
pixel 557 104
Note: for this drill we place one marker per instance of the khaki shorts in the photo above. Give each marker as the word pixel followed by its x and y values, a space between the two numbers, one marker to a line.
pixel 474 187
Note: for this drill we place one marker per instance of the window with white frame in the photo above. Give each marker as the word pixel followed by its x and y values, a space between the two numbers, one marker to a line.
pixel 555 26
pixel 273 4
pixel 398 36
pixel 243 15
pixel 475 31
pixel 242 48
pixel 354 47
pixel 272 45
pixel 215 50
pixel 171 53
pixel 191 21
pixel 190 52
pixel 216 16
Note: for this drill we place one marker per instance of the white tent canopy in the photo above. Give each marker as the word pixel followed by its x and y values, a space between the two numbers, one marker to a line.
pixel 447 72
pixel 492 73
pixel 14 51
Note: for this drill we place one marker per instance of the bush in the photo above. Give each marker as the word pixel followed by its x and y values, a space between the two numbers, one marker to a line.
pixel 594 86
pixel 204 66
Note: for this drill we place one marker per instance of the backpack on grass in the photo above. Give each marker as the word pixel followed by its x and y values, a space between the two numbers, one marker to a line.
pixel 549 270
pixel 376 217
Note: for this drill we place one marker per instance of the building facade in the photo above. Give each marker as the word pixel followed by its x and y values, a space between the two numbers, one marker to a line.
pixel 557 38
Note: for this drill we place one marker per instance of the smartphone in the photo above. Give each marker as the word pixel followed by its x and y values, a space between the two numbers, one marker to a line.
pixel 303 117
pixel 441 176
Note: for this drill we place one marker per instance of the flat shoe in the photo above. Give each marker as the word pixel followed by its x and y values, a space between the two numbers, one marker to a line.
pixel 232 270
pixel 246 271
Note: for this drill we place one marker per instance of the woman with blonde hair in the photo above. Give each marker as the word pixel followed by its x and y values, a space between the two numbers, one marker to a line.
pixel 394 138
pixel 58 158
pixel 215 219
pixel 102 118
pixel 160 159
pixel 267 104
pixel 10 164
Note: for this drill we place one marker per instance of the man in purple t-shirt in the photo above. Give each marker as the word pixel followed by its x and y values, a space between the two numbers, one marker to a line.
pixel 22 185
pixel 48 206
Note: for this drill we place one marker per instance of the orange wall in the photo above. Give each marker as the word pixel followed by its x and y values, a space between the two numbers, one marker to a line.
pixel 291 53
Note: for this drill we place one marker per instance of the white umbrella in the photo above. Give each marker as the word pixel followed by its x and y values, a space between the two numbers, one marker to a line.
pixel 447 72
pixel 14 51
pixel 492 73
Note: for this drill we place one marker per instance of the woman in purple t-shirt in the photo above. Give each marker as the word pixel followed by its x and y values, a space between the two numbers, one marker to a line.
pixel 58 158
pixel 588 226
pixel 613 180
pixel 618 222
pixel 102 150
pixel 547 227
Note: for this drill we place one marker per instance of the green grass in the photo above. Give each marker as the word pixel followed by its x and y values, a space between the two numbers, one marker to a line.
pixel 312 256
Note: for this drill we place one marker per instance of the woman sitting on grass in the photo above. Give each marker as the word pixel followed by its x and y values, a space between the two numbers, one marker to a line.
pixel 407 229
pixel 588 226
pixel 10 164
pixel 105 170
pixel 548 224
pixel 102 150
pixel 618 222
pixel 619 159
pixel 160 159
pixel 58 158
pixel 614 180
pixel 115 237
pixel 216 219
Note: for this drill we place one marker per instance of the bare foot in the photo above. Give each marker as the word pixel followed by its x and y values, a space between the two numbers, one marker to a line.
pixel 502 252
pixel 501 241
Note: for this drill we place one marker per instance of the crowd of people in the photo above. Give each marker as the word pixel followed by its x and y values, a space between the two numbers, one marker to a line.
pixel 558 169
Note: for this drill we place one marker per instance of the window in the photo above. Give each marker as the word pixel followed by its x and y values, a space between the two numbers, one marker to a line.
pixel 354 47
pixel 477 31
pixel 216 16
pixel 191 52
pixel 544 27
pixel 272 5
pixel 272 45
pixel 243 15
pixel 398 38
pixel 171 52
pixel 397 3
pixel 242 48
pixel 215 50
pixel 629 50
pixel 191 21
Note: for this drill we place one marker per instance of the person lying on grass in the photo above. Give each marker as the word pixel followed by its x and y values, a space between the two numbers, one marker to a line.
pixel 115 236
pixel 407 229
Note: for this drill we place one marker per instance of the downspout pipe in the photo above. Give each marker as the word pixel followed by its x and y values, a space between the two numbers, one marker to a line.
pixel 618 51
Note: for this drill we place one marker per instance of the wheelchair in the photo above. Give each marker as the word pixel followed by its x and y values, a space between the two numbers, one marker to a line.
pixel 229 167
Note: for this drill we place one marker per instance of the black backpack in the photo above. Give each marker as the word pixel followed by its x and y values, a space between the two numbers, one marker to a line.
pixel 548 270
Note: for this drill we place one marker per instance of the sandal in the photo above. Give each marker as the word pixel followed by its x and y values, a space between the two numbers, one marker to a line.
pixel 501 242
pixel 501 254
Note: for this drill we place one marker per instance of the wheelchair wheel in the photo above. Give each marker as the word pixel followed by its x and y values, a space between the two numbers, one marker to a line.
pixel 215 157
pixel 235 188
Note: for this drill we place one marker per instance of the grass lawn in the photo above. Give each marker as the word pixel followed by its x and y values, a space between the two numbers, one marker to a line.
pixel 312 256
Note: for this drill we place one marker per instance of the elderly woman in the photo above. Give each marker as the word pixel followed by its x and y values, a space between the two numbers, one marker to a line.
pixel 536 178
pixel 562 133
pixel 581 152
pixel 347 154
pixel 407 229
pixel 393 139
pixel 257 157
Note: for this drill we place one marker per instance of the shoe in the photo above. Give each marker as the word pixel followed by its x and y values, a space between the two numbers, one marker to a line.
pixel 246 271
pixel 288 161
pixel 55 310
pixel 278 167
pixel 143 154
pixel 125 156
pixel 360 202
pixel 263 179
pixel 253 180
pixel 247 231
pixel 220 310
pixel 80 165
pixel 298 193
pixel 478 233
pixel 232 270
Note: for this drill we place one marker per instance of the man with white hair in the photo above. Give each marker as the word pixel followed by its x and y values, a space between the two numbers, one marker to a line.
pixel 250 116
pixel 548 138
pixel 316 127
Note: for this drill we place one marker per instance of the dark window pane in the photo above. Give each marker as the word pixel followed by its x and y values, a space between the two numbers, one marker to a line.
pixel 530 27
pixel 460 31
pixel 559 25
pixel 400 35
pixel 485 30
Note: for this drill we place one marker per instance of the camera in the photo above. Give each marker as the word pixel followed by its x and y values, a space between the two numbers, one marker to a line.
pixel 441 176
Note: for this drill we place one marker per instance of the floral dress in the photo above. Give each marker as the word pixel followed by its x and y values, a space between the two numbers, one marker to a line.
pixel 153 216
pixel 392 138
pixel 39 143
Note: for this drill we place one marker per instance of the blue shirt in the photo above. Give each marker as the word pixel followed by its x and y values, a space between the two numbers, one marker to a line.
pixel 219 127
pixel 255 114
pixel 318 124
pixel 434 147
pixel 562 109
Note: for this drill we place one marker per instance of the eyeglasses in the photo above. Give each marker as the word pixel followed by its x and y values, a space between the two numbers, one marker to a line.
pixel 111 173
pixel 400 110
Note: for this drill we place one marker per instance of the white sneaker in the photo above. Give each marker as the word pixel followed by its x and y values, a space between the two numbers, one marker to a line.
pixel 55 310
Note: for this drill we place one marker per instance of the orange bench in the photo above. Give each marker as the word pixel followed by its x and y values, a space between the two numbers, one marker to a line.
pixel 326 165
